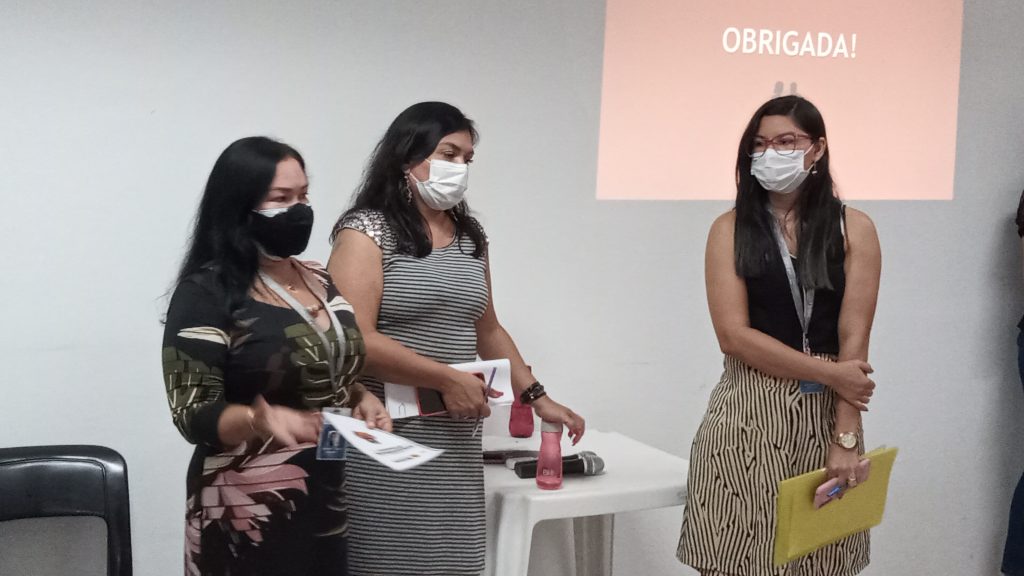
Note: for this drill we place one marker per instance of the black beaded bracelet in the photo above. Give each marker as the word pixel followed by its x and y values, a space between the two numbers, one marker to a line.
pixel 532 393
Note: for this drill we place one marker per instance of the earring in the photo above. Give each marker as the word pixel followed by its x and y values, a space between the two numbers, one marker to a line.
pixel 814 169
pixel 408 189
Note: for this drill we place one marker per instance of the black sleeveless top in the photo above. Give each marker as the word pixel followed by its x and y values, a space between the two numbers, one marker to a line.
pixel 771 309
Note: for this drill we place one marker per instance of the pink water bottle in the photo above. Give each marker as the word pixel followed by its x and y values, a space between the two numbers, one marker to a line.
pixel 520 420
pixel 549 462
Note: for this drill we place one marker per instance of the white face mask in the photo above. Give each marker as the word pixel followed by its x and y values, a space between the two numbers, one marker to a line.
pixel 779 172
pixel 446 186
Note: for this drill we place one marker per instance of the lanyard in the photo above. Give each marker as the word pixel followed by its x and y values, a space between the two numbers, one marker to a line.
pixel 804 306
pixel 298 307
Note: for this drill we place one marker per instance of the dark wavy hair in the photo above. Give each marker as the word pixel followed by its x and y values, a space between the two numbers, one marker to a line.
pixel 410 139
pixel 221 240
pixel 818 207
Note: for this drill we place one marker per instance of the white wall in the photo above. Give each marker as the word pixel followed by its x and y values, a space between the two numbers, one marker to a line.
pixel 113 113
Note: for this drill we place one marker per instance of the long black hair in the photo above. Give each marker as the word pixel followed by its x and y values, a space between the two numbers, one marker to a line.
pixel 818 206
pixel 1020 216
pixel 221 240
pixel 410 139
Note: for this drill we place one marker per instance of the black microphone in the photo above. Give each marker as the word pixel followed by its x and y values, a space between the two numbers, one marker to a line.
pixel 585 463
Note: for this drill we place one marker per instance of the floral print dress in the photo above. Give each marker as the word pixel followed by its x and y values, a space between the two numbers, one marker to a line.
pixel 258 508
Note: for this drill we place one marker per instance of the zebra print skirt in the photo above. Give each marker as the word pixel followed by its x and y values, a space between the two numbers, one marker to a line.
pixel 758 430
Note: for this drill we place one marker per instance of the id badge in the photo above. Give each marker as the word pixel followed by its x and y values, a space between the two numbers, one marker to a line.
pixel 332 445
pixel 811 387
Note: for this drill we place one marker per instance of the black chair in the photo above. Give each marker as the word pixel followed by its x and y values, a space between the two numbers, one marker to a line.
pixel 48 481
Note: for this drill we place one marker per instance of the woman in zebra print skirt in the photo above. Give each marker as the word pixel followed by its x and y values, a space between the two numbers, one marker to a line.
pixel 414 265
pixel 792 281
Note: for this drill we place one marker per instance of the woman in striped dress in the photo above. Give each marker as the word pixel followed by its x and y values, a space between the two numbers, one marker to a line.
pixel 792 281
pixel 414 265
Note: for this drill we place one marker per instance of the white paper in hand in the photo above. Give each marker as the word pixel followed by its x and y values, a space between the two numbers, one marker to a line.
pixel 390 450
pixel 401 400
pixel 497 372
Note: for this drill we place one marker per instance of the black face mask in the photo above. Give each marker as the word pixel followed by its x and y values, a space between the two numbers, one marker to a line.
pixel 284 234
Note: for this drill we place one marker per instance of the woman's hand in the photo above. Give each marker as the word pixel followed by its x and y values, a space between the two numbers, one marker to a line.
pixel 465 396
pixel 284 425
pixel 551 411
pixel 372 411
pixel 843 464
pixel 849 379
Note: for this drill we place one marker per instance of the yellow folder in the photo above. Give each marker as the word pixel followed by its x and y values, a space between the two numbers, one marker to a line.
pixel 802 529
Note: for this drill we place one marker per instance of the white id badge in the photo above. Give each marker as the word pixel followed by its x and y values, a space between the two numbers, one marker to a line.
pixel 332 445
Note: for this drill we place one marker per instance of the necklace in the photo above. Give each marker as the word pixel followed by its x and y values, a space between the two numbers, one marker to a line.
pixel 781 220
pixel 781 215
pixel 315 308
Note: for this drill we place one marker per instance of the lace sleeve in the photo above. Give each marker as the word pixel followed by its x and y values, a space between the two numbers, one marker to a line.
pixel 373 224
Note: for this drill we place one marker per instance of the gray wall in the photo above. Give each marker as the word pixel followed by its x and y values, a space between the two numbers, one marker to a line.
pixel 113 113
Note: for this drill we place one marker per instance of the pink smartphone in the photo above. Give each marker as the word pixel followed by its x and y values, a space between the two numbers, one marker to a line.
pixel 835 488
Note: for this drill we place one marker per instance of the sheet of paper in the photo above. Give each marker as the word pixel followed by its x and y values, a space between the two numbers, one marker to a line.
pixel 401 401
pixel 389 449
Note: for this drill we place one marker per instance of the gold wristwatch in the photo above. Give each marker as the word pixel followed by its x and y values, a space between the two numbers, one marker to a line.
pixel 847 440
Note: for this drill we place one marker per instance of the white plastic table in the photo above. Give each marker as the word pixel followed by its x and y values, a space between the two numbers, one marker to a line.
pixel 637 477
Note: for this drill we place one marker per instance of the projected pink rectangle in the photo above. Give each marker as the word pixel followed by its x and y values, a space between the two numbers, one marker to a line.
pixel 682 78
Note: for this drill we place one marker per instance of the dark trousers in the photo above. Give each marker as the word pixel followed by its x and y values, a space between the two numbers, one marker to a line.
pixel 1013 554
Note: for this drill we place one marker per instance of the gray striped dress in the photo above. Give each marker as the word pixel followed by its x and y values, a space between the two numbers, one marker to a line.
pixel 429 520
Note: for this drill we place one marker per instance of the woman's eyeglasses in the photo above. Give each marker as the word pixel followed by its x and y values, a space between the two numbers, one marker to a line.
pixel 784 144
